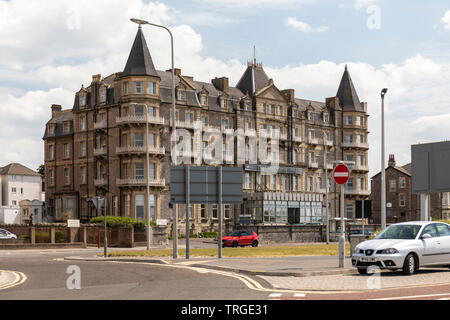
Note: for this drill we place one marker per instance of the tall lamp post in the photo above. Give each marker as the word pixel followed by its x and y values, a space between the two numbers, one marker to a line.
pixel 175 213
pixel 383 166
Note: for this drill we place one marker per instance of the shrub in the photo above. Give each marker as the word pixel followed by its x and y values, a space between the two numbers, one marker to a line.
pixel 42 237
pixel 121 222
pixel 60 236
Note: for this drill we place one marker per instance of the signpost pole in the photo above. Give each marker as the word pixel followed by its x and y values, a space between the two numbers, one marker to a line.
pixel 220 212
pixel 363 218
pixel 188 202
pixel 342 237
pixel 326 195
pixel 103 204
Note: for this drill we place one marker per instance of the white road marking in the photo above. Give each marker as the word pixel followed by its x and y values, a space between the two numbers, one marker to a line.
pixel 414 297
pixel 250 283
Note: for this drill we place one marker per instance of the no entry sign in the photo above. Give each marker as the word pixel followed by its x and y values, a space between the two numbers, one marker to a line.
pixel 341 174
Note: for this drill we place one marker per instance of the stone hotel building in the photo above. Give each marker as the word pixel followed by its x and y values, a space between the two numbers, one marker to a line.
pixel 98 146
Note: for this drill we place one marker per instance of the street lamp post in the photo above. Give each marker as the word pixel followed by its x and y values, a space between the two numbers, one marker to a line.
pixel 383 170
pixel 175 212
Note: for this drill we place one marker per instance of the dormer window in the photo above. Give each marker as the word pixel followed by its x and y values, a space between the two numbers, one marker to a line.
pixel 138 87
pixel 102 95
pixel 326 118
pixel 310 116
pixel 203 100
pixel 223 103
pixel 180 95
pixel 82 100
pixel 66 127
pixel 152 88
pixel 246 106
pixel 51 129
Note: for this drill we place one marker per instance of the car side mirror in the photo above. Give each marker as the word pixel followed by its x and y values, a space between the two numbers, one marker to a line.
pixel 425 236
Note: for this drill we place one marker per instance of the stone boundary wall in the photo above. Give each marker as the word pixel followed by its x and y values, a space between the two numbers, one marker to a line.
pixel 287 234
pixel 86 235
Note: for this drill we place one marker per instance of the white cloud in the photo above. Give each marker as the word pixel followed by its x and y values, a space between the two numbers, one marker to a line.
pixel 303 26
pixel 250 3
pixel 446 20
pixel 359 4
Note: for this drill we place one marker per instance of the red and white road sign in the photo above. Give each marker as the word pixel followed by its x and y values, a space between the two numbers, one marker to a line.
pixel 341 174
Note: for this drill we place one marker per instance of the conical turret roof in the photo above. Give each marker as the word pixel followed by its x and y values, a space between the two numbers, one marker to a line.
pixel 140 61
pixel 348 98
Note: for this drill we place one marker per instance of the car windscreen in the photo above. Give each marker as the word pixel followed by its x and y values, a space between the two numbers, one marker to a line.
pixel 400 232
pixel 234 234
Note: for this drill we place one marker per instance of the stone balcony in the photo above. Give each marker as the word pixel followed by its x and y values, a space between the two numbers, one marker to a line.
pixel 139 182
pixel 313 141
pixel 139 120
pixel 360 168
pixel 100 182
pixel 313 165
pixel 102 151
pixel 100 125
pixel 185 124
pixel 355 144
pixel 357 192
pixel 140 150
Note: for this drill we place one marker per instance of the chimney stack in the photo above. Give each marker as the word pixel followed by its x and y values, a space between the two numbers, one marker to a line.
pixel 96 77
pixel 221 83
pixel 56 108
pixel 391 162
pixel 289 94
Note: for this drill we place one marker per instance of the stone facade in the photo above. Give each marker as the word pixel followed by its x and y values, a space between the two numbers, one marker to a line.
pixel 97 147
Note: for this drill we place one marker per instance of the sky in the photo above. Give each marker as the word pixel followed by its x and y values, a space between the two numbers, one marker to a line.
pixel 49 48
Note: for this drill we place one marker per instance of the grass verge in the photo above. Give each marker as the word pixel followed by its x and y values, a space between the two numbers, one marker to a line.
pixel 247 252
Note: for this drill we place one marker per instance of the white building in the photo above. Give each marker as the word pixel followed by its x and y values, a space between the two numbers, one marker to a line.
pixel 18 183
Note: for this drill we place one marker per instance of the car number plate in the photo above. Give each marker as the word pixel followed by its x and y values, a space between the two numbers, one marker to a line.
pixel 368 259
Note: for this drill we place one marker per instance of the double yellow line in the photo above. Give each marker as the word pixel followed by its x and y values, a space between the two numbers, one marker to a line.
pixel 19 278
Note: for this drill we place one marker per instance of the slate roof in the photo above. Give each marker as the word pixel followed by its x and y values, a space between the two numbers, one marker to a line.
pixel 253 79
pixel 58 120
pixel 18 169
pixel 406 170
pixel 348 98
pixel 139 62
pixel 303 104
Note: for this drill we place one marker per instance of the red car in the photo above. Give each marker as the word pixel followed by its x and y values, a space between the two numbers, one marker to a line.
pixel 240 238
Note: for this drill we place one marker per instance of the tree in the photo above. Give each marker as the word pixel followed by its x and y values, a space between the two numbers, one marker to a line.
pixel 41 170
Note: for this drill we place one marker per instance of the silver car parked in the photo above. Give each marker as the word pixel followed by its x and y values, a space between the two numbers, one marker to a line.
pixel 5 234
pixel 406 246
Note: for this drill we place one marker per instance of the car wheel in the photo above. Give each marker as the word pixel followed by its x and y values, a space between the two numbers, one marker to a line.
pixel 362 271
pixel 235 244
pixel 410 265
pixel 255 243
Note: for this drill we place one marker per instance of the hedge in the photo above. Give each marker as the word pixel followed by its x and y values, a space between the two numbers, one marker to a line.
pixel 121 222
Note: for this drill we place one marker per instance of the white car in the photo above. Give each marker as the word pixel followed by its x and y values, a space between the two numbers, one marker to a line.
pixel 406 246
pixel 5 234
